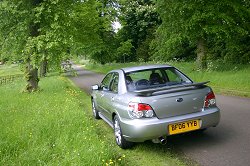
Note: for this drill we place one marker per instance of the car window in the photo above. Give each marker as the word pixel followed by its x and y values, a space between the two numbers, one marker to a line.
pixel 114 83
pixel 140 75
pixel 172 75
pixel 153 78
pixel 106 81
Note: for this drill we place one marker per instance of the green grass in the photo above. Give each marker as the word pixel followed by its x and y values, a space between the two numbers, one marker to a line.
pixel 12 69
pixel 224 79
pixel 54 126
pixel 80 60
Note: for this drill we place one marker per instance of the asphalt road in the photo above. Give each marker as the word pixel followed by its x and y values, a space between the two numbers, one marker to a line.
pixel 228 144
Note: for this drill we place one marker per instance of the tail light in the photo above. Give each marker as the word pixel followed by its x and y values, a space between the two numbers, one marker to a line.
pixel 140 110
pixel 210 100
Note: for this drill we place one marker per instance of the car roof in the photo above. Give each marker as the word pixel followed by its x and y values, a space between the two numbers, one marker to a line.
pixel 145 67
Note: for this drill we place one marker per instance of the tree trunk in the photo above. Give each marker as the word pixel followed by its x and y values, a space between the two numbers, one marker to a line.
pixel 31 77
pixel 43 68
pixel 31 73
pixel 201 54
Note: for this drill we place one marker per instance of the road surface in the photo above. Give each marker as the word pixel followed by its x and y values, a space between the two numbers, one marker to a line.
pixel 225 145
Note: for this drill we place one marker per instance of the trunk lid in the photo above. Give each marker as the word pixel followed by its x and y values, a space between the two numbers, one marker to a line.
pixel 177 103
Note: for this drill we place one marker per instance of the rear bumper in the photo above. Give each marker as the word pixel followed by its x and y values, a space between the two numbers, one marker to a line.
pixel 139 130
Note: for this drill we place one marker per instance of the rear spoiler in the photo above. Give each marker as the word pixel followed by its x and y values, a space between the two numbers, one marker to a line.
pixel 148 92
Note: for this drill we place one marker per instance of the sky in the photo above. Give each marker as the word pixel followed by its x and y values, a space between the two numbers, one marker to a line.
pixel 116 25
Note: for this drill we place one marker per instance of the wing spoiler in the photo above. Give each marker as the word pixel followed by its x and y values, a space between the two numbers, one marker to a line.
pixel 175 88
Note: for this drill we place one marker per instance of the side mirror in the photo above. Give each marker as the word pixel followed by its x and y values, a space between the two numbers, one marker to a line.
pixel 95 87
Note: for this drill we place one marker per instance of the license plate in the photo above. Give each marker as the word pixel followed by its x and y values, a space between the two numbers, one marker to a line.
pixel 183 127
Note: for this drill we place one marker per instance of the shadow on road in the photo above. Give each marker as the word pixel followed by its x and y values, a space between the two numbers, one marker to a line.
pixel 193 139
pixel 188 145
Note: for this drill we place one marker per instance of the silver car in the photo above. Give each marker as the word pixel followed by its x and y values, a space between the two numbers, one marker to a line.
pixel 153 102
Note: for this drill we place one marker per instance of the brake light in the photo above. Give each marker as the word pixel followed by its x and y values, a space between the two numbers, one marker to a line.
pixel 144 107
pixel 140 110
pixel 210 100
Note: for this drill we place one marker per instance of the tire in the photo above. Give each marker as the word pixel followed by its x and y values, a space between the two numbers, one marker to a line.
pixel 95 111
pixel 120 140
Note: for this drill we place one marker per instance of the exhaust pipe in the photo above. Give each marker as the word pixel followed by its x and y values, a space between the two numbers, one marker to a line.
pixel 160 140
pixel 163 141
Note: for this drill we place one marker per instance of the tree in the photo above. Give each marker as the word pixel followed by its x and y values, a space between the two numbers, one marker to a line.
pixel 124 50
pixel 41 32
pixel 105 51
pixel 199 22
pixel 139 20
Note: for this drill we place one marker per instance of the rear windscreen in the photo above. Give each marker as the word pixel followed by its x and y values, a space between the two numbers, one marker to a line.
pixel 154 78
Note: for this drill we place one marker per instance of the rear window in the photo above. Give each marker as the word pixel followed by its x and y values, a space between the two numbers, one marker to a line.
pixel 154 78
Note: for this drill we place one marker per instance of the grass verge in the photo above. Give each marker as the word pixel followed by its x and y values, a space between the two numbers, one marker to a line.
pixel 12 69
pixel 224 79
pixel 54 126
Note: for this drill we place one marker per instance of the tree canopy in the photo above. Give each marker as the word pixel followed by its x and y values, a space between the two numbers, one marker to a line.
pixel 205 25
pixel 38 30
pixel 62 26
pixel 139 20
pixel 46 32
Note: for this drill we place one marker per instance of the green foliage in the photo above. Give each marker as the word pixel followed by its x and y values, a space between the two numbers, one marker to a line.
pixel 63 27
pixel 214 21
pixel 139 20
pixel 124 50
pixel 104 51
pixel 87 26
pixel 48 31
pixel 14 28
